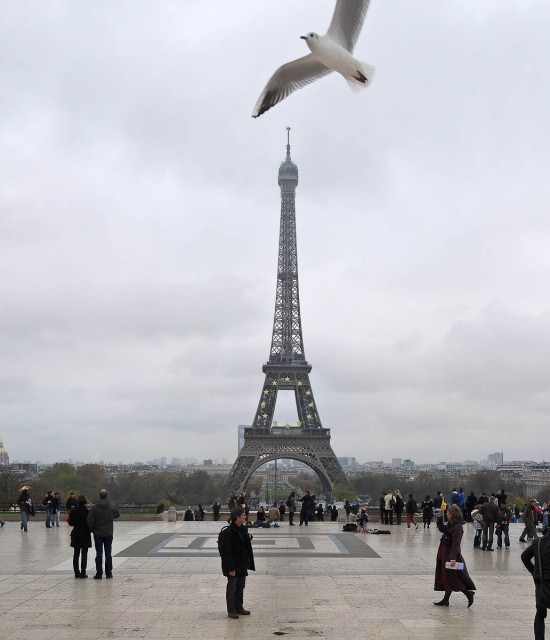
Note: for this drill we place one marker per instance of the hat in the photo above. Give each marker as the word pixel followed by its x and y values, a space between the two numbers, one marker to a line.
pixel 25 488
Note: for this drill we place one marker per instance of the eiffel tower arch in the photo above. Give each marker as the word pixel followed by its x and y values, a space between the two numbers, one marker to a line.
pixel 287 369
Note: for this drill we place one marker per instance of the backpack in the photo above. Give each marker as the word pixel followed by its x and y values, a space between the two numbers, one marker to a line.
pixel 221 535
pixel 349 526
pixel 392 503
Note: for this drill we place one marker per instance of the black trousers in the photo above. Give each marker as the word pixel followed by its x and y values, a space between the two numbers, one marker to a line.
pixel 291 517
pixel 234 593
pixel 80 553
pixel 539 619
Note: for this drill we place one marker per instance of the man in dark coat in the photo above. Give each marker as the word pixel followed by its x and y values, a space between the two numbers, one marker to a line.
pixel 491 515
pixel 216 510
pixel 237 559
pixel 530 558
pixel 307 505
pixel 471 502
pixel 100 522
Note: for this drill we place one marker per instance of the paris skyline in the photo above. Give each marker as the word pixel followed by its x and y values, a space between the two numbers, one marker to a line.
pixel 139 213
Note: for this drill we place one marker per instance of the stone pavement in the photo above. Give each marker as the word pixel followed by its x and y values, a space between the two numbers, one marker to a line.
pixel 310 583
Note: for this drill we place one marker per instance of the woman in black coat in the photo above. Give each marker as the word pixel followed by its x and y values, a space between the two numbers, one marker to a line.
pixel 81 538
pixel 452 579
pixel 427 507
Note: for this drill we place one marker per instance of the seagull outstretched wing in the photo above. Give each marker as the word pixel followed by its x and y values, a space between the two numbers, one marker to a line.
pixel 347 22
pixel 291 76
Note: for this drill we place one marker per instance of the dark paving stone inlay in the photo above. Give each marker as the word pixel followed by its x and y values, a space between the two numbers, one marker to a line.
pixel 193 545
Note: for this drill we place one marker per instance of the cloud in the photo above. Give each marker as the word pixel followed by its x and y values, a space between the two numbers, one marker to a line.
pixel 139 213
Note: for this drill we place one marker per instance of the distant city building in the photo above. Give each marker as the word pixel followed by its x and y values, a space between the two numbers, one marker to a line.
pixel 25 467
pixel 533 475
pixel 494 459
pixel 396 462
pixel 374 464
pixel 408 464
pixel 207 463
pixel 4 458
pixel 348 462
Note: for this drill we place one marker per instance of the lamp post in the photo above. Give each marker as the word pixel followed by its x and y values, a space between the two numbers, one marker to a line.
pixel 275 490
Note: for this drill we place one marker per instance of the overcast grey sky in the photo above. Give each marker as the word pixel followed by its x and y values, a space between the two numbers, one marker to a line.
pixel 139 214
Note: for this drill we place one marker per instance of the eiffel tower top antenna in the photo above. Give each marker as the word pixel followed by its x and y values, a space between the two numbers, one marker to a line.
pixel 288 143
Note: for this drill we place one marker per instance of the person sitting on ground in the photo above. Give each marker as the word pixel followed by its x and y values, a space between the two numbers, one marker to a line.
pixel 274 516
pixel 260 515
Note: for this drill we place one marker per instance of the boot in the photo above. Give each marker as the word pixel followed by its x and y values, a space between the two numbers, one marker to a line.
pixel 470 596
pixel 445 601
pixel 442 603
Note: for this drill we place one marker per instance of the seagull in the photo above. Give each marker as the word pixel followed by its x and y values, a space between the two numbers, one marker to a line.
pixel 331 52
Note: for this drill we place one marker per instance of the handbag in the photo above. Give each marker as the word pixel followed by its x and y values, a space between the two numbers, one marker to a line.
pixel 542 589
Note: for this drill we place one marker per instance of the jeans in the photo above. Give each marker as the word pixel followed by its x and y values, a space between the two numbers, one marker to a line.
pixel 291 517
pixel 388 516
pixel 304 517
pixel 102 543
pixel 477 539
pixel 24 519
pixel 49 516
pixel 234 595
pixel 488 531
pixel 504 529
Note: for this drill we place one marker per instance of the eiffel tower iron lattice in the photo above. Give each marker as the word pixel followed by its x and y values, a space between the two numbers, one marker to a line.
pixel 287 369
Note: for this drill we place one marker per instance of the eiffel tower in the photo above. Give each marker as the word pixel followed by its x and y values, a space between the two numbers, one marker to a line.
pixel 287 369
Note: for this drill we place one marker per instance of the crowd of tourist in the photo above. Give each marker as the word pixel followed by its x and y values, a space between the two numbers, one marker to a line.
pixel 490 516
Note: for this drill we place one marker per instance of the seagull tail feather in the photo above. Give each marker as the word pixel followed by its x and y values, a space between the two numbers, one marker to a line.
pixel 362 77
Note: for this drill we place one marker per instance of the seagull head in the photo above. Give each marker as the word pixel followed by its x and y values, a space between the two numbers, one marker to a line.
pixel 310 36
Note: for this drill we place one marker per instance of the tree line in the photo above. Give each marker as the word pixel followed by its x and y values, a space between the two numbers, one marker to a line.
pixel 180 488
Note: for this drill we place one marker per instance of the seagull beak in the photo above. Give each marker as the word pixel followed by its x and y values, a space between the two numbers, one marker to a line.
pixel 303 37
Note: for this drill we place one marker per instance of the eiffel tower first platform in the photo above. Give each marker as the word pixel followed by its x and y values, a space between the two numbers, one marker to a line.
pixel 287 369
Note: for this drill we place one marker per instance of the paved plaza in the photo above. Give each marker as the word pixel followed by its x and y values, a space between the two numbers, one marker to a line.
pixel 310 583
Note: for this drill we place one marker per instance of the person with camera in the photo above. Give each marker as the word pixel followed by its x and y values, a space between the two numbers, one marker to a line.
pixel 450 569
